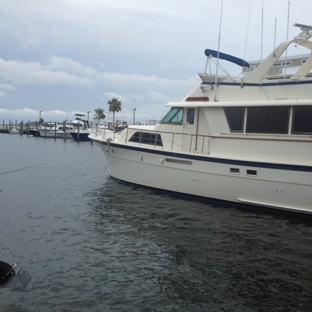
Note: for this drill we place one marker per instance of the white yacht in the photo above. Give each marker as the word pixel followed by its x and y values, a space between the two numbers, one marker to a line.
pixel 51 130
pixel 245 139
pixel 13 130
pixel 64 132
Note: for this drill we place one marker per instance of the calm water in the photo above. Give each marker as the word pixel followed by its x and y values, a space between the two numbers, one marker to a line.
pixel 92 244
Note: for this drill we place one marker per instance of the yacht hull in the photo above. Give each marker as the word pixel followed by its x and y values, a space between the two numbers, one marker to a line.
pixel 46 133
pixel 82 136
pixel 63 135
pixel 279 186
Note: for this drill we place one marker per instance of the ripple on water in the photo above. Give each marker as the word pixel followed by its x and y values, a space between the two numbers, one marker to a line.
pixel 92 244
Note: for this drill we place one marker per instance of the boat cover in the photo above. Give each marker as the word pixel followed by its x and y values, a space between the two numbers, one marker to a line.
pixel 226 57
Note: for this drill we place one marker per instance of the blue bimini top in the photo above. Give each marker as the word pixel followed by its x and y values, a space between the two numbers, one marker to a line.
pixel 227 57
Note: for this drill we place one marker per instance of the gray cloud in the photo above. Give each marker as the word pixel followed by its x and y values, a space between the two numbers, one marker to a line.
pixel 72 55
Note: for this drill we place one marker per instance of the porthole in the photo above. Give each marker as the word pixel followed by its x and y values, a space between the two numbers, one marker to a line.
pixel 234 170
pixel 251 172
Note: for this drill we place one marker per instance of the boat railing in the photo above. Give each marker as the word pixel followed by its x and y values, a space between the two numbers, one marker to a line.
pixel 101 133
pixel 173 141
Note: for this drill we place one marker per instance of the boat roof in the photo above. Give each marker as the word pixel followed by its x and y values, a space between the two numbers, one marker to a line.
pixel 248 103
pixel 226 57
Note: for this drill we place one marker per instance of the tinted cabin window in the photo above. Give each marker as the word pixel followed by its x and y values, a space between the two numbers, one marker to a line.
pixel 190 116
pixel 235 118
pixel 302 120
pixel 272 119
pixel 175 115
pixel 146 138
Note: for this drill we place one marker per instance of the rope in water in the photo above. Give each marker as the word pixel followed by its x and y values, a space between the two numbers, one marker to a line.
pixel 20 169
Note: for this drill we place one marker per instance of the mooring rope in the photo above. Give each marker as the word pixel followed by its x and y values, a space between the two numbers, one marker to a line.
pixel 24 168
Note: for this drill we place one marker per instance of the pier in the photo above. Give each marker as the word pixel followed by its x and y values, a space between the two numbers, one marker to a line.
pixel 56 130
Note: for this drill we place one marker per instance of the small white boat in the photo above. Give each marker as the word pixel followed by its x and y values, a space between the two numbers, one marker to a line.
pixel 50 130
pixel 244 139
pixel 81 135
pixel 13 130
pixel 65 132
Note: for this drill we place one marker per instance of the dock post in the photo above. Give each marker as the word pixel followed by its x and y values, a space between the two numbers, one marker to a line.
pixel 78 133
pixel 21 128
pixel 64 129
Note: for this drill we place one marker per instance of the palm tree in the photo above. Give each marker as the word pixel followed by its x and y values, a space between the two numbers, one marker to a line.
pixel 114 106
pixel 99 113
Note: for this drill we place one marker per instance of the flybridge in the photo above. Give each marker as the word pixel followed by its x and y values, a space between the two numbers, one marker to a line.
pixel 272 65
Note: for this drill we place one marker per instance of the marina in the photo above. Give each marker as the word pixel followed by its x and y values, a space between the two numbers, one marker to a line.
pixel 204 206
pixel 90 243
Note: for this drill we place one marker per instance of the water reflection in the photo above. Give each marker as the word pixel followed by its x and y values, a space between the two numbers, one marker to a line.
pixel 216 257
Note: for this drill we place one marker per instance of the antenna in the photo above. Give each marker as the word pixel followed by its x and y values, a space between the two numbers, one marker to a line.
pixel 261 32
pixel 288 19
pixel 247 30
pixel 285 66
pixel 306 31
pixel 275 37
pixel 216 80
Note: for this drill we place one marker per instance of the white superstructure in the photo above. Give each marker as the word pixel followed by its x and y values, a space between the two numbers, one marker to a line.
pixel 241 139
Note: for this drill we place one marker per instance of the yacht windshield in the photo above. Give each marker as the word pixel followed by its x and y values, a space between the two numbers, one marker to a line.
pixel 175 115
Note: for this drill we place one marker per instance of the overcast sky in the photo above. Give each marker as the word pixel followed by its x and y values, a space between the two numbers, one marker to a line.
pixel 68 56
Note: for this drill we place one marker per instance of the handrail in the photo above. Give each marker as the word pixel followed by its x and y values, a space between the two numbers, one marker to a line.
pixel 177 140
pixel 191 143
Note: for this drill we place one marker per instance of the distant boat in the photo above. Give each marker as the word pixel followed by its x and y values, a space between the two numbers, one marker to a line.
pixel 13 130
pixel 81 129
pixel 65 132
pixel 50 130
pixel 80 119
pixel 34 132
pixel 53 130
pixel 243 139
pixel 81 135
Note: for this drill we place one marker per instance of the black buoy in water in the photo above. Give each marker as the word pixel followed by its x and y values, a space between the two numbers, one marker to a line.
pixel 9 278
pixel 6 271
